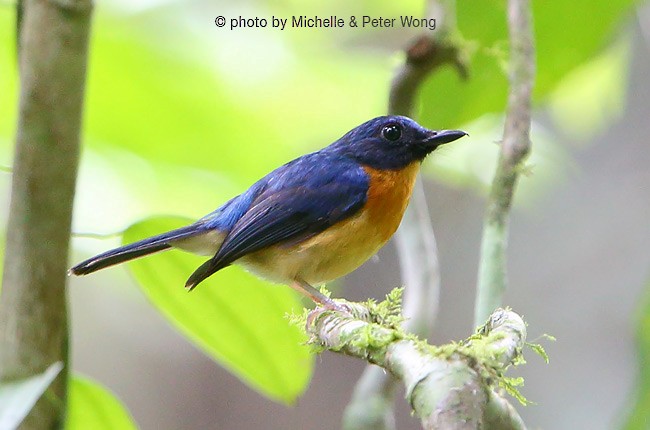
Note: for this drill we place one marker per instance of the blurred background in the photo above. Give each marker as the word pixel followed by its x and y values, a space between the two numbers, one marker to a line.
pixel 181 115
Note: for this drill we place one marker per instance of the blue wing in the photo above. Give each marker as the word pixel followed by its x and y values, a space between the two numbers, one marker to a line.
pixel 291 204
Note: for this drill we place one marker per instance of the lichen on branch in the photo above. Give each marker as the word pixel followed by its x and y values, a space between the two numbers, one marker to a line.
pixel 453 386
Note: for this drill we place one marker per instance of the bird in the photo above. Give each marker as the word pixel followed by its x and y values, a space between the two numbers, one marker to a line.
pixel 310 221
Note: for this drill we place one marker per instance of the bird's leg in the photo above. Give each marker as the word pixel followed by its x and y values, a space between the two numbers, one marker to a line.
pixel 316 296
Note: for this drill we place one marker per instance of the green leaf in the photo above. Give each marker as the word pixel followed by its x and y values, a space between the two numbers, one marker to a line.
pixel 639 416
pixel 236 319
pixel 19 397
pixel 91 406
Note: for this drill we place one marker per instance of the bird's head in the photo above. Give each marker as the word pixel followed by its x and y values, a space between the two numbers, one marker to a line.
pixel 391 142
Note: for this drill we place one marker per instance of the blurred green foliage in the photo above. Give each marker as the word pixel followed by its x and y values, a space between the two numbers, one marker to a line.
pixel 472 166
pixel 601 80
pixel 199 113
pixel 235 318
pixel 8 83
pixel 482 27
pixel 91 406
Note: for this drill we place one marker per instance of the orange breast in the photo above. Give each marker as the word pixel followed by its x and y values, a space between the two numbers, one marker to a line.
pixel 388 196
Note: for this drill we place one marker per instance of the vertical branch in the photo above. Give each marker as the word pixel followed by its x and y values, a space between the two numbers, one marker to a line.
pixel 415 240
pixel 371 403
pixel 33 309
pixel 514 149
pixel 419 267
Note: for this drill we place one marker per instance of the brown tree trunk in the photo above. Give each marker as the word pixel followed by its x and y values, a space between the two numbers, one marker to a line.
pixel 53 48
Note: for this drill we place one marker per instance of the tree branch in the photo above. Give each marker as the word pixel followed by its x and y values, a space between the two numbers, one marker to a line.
pixel 448 387
pixel 514 149
pixel 33 310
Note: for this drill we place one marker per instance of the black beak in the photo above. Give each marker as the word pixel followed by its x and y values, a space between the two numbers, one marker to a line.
pixel 437 138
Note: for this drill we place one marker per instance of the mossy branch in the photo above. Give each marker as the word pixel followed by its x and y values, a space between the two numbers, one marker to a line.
pixel 454 386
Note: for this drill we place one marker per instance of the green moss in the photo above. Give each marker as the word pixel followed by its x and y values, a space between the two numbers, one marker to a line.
pixel 539 349
pixel 384 326
pixel 388 312
pixel 298 319
pixel 510 386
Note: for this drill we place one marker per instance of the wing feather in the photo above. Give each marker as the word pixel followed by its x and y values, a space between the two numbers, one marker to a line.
pixel 290 213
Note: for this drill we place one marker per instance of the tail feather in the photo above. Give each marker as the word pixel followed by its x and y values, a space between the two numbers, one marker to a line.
pixel 135 250
pixel 204 271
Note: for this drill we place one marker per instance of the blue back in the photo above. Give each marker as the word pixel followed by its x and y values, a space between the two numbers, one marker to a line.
pixel 290 204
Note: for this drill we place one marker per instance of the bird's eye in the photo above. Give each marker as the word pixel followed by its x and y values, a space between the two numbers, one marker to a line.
pixel 392 132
